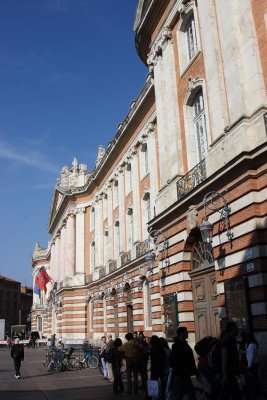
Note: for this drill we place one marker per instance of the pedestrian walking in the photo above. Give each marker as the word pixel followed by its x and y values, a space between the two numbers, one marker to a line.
pixel 102 357
pixel 17 353
pixel 107 359
pixel 144 360
pixel 116 366
pixel 157 368
pixel 133 352
pixel 183 363
pixel 230 363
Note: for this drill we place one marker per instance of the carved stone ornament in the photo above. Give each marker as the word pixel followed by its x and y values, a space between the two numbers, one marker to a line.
pixel 71 178
pixel 192 83
pixel 80 210
pixel 100 155
pixel 183 7
pixel 192 217
pixel 159 46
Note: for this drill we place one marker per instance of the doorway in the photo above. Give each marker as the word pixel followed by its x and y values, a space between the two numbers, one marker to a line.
pixel 204 291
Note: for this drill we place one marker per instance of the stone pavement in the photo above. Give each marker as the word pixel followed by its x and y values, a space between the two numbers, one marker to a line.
pixel 37 383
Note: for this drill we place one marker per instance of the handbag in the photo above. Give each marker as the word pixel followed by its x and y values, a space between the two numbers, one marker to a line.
pixel 153 388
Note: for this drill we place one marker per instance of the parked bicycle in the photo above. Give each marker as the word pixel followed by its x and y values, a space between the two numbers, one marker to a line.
pixel 90 360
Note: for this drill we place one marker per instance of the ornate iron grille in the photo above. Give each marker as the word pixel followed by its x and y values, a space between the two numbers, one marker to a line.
pixel 112 265
pixel 125 257
pixel 192 179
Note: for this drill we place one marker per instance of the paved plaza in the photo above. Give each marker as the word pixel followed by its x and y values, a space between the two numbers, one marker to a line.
pixel 37 383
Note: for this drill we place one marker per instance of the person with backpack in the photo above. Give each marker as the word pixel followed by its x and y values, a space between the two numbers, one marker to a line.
pixel 133 352
pixel 17 353
pixel 183 363
pixel 230 363
pixel 208 366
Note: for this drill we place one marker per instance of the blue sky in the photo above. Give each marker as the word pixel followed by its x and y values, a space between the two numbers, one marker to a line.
pixel 68 73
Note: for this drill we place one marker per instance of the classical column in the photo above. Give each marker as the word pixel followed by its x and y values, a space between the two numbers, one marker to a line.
pixel 62 268
pixel 52 261
pixel 57 257
pixel 80 240
pixel 70 245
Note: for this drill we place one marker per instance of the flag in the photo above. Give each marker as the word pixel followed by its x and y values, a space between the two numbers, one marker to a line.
pixel 36 288
pixel 42 278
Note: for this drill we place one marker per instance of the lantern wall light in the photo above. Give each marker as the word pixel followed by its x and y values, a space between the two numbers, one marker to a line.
pixel 159 241
pixel 215 201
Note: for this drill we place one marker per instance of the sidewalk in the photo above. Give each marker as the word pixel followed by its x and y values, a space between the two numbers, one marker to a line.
pixel 38 384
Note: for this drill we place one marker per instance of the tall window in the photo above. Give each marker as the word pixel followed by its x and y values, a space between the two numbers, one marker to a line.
pixel 106 246
pixel 144 159
pixel 91 315
pixel 130 228
pixel 39 324
pixel 199 121
pixel 191 37
pixel 116 193
pixel 93 254
pixel 92 218
pixel 105 205
pixel 147 305
pixel 117 239
pixel 146 212
pixel 129 180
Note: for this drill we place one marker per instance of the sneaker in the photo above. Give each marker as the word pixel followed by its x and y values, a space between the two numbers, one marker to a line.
pixel 17 376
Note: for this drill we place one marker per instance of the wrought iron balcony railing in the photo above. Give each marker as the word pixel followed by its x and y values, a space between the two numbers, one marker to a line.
pixel 191 180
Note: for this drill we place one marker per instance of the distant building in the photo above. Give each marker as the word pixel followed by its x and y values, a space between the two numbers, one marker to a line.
pixel 189 158
pixel 15 303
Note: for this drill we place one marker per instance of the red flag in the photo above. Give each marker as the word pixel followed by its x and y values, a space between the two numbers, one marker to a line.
pixel 43 278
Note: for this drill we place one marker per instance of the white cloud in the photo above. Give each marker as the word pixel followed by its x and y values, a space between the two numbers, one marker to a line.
pixel 27 157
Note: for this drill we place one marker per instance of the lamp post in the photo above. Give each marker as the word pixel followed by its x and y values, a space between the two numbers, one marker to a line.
pixel 215 201
pixel 159 240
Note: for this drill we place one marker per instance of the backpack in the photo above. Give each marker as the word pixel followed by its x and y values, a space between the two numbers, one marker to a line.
pixel 203 347
pixel 215 357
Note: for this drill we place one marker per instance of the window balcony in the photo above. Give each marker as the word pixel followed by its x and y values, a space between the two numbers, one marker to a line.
pixel 191 180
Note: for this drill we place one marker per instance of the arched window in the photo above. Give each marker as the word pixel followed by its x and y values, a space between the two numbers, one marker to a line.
pixel 202 257
pixel 196 129
pixel 188 43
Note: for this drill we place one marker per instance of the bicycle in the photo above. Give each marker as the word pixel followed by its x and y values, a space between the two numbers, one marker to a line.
pixel 90 360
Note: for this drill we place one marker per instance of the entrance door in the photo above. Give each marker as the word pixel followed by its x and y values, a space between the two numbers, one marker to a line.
pixel 204 289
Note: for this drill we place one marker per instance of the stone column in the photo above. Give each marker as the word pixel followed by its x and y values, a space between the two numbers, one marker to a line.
pixel 80 240
pixel 57 258
pixel 63 252
pixel 70 245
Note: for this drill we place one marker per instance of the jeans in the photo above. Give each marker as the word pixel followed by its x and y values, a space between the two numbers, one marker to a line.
pixel 105 369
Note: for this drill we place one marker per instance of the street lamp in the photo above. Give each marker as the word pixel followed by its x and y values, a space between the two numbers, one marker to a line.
pixel 215 201
pixel 159 240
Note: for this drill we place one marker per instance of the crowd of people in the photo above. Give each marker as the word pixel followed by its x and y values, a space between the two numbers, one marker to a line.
pixel 219 364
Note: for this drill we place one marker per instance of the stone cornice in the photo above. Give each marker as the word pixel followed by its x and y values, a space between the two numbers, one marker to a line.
pixel 158 47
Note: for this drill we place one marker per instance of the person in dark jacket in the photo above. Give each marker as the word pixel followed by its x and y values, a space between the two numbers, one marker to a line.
pixel 116 366
pixel 157 359
pixel 183 363
pixel 17 353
